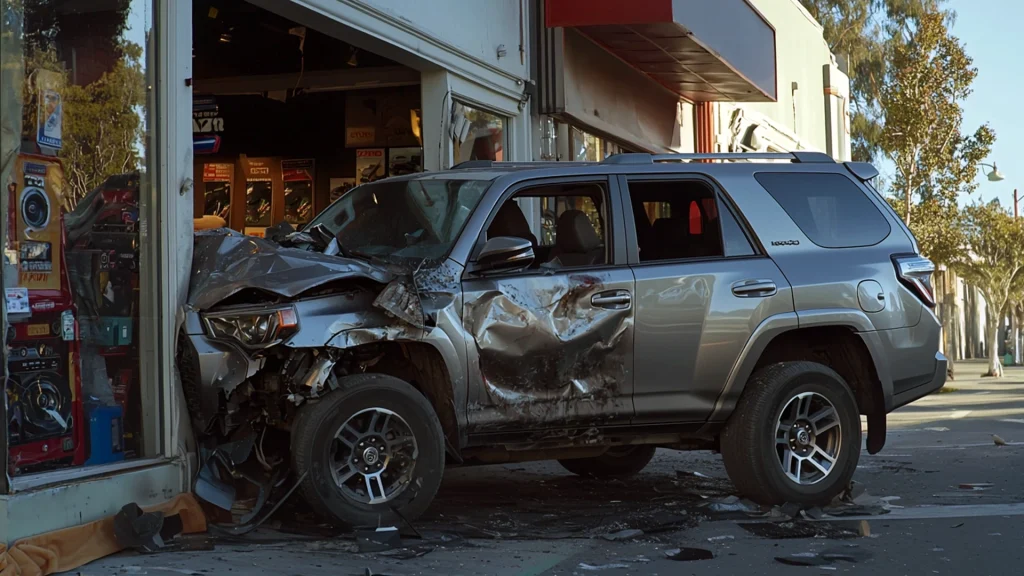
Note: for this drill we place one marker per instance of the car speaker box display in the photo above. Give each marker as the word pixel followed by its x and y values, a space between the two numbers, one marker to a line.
pixel 44 389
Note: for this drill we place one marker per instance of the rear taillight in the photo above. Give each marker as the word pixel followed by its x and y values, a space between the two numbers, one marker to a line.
pixel 915 272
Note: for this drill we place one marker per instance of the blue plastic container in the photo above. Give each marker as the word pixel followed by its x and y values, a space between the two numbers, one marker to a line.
pixel 106 435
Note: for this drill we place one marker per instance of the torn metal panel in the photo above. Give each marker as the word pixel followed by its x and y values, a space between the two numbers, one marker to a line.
pixel 400 300
pixel 226 262
pixel 360 336
pixel 546 353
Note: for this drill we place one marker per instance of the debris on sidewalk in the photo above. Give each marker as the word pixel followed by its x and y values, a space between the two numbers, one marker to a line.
pixel 407 553
pixel 796 530
pixel 378 540
pixel 145 531
pixel 850 554
pixel 689 554
pixel 998 440
pixel 732 504
pixel 721 538
pixel 623 535
pixel 599 567
pixel 976 486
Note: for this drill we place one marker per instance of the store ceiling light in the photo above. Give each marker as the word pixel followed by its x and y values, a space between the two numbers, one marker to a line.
pixel 225 38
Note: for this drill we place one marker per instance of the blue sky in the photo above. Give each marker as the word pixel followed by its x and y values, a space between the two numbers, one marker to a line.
pixel 991 31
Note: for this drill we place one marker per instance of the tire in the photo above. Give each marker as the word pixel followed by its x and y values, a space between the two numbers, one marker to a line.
pixel 314 450
pixel 615 463
pixel 748 443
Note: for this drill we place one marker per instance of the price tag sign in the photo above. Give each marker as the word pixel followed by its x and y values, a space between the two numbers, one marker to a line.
pixel 17 300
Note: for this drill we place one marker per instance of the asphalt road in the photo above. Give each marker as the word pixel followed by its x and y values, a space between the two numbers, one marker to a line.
pixel 535 519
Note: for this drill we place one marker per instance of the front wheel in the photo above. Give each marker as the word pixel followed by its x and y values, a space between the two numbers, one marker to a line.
pixel 373 452
pixel 617 462
pixel 794 436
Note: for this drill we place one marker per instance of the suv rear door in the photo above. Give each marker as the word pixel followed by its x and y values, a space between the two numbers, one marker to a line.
pixel 554 342
pixel 702 288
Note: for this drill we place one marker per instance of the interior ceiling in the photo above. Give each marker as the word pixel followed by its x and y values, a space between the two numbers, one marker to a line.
pixel 235 38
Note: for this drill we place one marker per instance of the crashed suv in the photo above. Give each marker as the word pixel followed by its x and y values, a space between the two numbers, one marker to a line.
pixel 587 313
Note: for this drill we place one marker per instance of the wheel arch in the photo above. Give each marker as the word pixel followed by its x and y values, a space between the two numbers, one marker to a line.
pixel 423 366
pixel 830 338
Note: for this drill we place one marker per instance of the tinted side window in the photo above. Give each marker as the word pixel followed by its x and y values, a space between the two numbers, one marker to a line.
pixel 573 229
pixel 675 220
pixel 829 208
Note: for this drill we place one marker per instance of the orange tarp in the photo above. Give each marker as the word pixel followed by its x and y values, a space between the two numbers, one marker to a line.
pixel 70 548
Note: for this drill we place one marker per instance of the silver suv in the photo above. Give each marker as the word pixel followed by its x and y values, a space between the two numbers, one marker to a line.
pixel 758 305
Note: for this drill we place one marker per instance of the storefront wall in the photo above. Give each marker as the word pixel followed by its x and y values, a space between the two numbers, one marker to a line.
pixel 812 109
pixel 592 91
pixel 480 73
pixel 143 69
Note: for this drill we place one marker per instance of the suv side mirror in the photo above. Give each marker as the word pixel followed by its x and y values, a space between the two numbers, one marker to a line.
pixel 505 253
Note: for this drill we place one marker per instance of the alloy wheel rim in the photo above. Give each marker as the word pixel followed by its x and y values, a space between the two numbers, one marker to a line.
pixel 373 456
pixel 808 438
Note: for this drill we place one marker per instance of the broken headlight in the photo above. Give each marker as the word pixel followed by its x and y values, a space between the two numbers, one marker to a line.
pixel 253 328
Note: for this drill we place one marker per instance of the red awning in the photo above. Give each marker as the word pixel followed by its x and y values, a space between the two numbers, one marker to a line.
pixel 704 50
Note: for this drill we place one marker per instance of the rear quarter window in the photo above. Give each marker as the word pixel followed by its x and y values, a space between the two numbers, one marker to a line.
pixel 829 208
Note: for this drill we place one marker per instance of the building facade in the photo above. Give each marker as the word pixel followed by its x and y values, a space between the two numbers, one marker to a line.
pixel 123 122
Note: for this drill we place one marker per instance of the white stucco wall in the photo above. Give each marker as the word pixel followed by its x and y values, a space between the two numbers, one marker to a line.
pixel 797 121
pixel 474 26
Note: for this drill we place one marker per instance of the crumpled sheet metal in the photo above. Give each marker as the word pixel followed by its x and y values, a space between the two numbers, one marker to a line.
pixel 359 336
pixel 400 300
pixel 226 262
pixel 539 347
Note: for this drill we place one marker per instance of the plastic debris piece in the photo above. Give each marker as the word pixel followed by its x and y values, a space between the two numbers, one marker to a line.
pixel 721 538
pixel 976 486
pixel 802 559
pixel 599 567
pixel 689 554
pixel 623 535
pixel 408 553
pixel 384 538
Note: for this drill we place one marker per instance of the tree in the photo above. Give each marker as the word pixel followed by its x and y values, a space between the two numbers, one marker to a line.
pixel 994 263
pixel 861 32
pixel 930 75
pixel 103 126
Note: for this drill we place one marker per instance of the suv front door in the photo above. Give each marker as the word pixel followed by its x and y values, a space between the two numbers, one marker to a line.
pixel 554 341
pixel 701 290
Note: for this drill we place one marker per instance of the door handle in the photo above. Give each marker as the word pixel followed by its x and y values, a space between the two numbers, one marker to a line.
pixel 752 288
pixel 614 300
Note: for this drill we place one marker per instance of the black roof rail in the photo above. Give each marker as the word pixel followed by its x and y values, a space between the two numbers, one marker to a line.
pixel 643 158
pixel 473 164
pixel 537 164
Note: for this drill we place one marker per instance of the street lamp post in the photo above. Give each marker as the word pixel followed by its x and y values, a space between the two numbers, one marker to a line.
pixel 996 176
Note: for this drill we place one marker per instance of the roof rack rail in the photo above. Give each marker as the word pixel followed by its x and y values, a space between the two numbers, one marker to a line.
pixel 803 157
pixel 537 164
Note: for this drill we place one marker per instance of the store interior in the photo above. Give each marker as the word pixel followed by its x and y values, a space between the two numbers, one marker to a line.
pixel 286 118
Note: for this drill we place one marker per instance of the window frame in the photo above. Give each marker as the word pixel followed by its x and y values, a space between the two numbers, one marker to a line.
pixel 615 227
pixel 722 202
pixel 867 197
pixel 506 122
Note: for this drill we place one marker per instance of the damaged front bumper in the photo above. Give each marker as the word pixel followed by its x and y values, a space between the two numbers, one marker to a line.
pixel 209 367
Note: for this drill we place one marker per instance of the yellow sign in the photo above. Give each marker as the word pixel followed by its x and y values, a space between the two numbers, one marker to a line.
pixel 39 330
pixel 36 201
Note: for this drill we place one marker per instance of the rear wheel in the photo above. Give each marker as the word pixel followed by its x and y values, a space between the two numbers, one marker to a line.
pixel 368 450
pixel 794 436
pixel 616 462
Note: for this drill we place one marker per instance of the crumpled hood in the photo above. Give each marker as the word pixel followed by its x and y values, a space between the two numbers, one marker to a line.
pixel 225 262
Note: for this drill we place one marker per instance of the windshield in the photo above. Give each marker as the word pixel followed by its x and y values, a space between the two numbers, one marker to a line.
pixel 403 218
